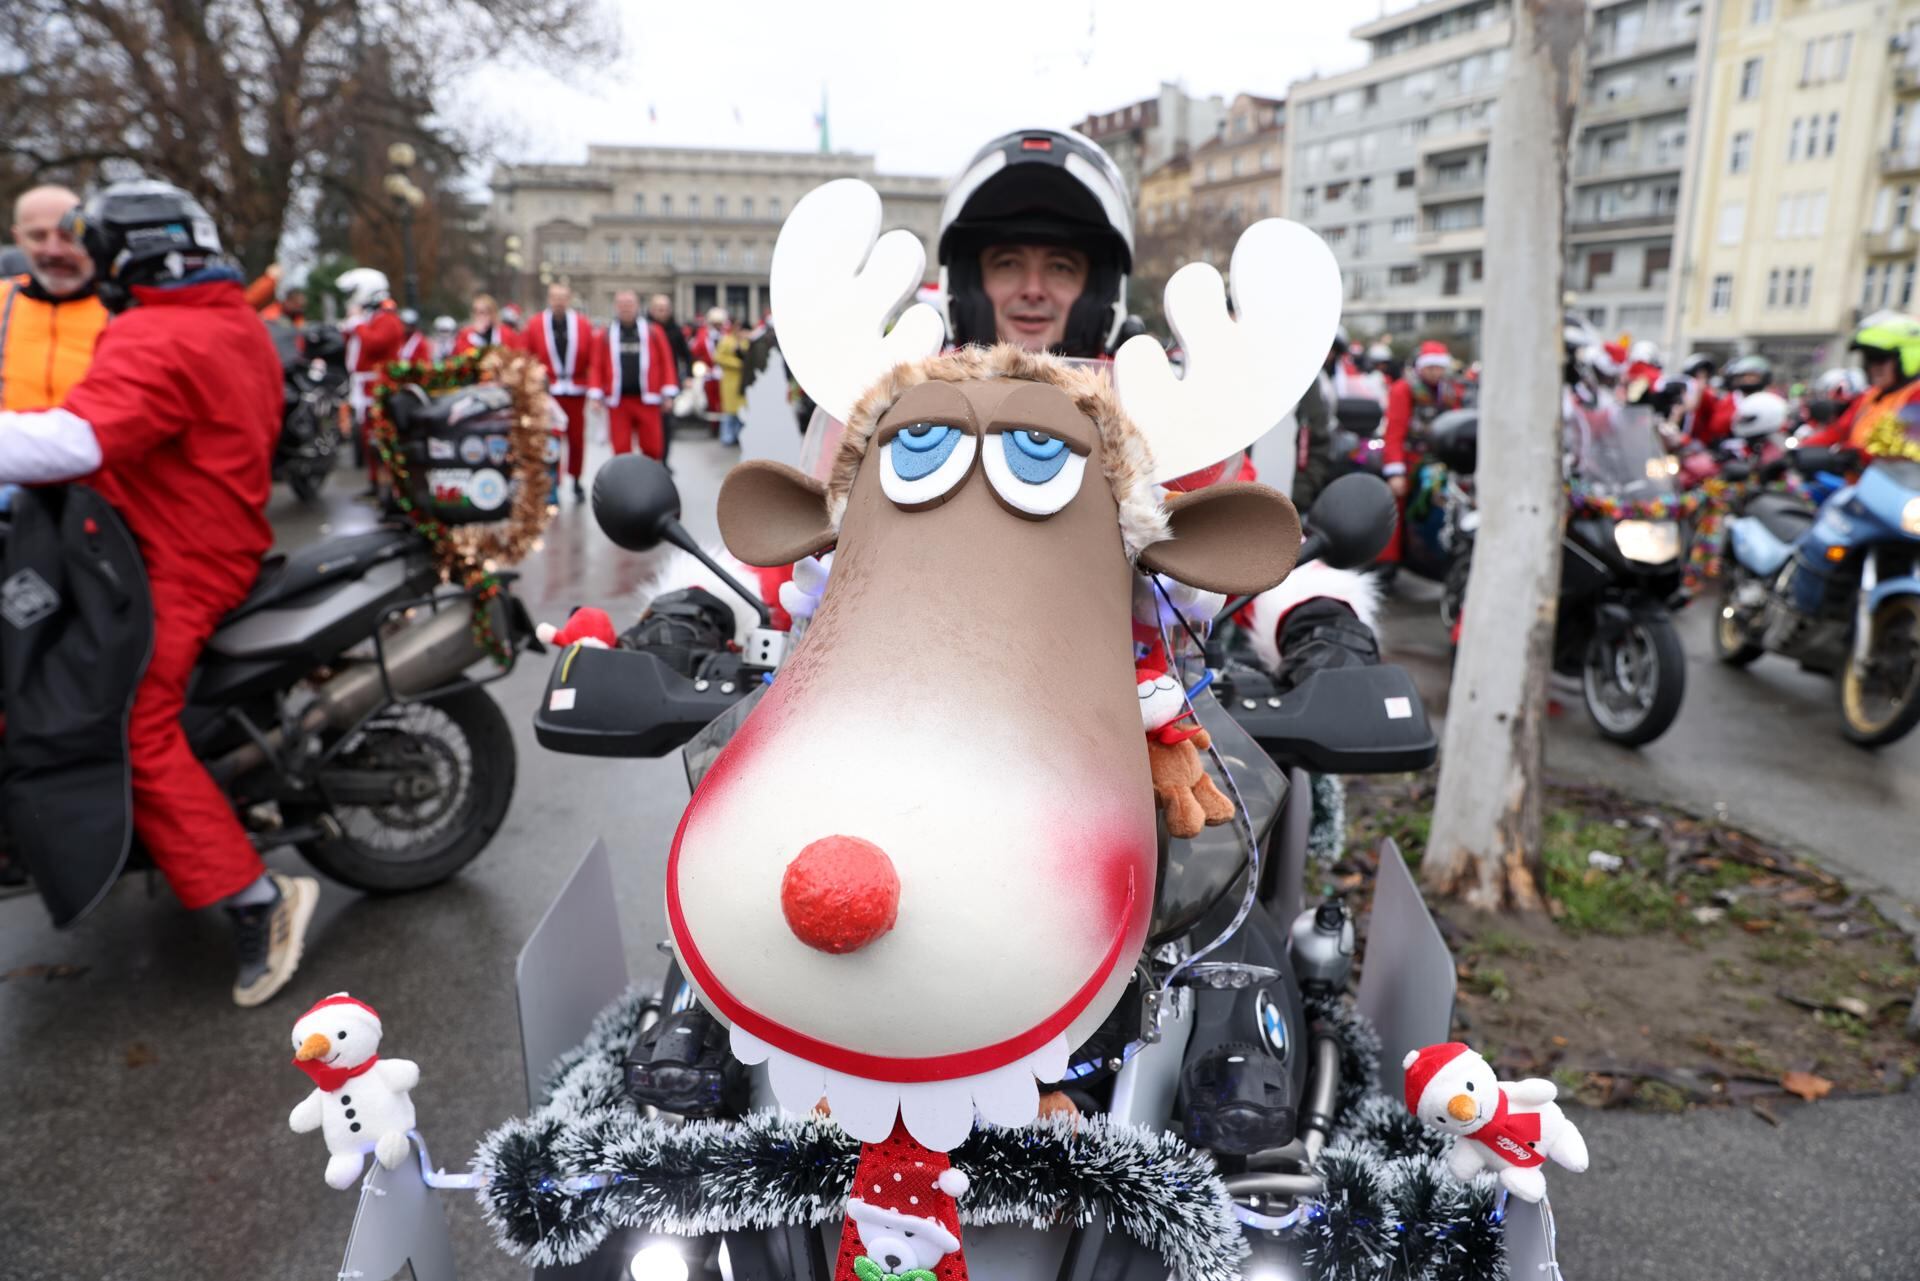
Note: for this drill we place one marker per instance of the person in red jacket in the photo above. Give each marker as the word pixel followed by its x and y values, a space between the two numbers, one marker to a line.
pixel 417 345
pixel 635 375
pixel 1412 405
pixel 484 328
pixel 174 424
pixel 705 347
pixel 565 343
pixel 375 334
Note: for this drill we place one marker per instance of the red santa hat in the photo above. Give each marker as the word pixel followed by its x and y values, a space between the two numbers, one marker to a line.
pixel 587 625
pixel 1433 354
pixel 1423 1065
pixel 341 998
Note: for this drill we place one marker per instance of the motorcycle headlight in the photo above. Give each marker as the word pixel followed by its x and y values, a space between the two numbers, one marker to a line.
pixel 1648 542
pixel 1910 517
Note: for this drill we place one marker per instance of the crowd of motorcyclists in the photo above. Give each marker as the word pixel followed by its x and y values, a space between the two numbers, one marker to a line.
pixel 133 356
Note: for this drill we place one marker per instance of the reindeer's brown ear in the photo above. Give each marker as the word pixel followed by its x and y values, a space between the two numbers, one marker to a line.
pixel 772 514
pixel 1238 538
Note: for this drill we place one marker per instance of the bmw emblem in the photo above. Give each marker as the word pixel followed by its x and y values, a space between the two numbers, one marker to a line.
pixel 1273 1023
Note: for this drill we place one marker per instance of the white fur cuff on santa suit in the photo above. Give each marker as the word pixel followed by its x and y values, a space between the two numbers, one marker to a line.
pixel 1311 581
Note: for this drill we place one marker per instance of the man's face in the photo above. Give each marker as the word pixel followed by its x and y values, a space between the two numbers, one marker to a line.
pixel 1032 288
pixel 1882 371
pixel 626 307
pixel 295 303
pixel 660 307
pixel 1432 374
pixel 483 315
pixel 559 297
pixel 55 258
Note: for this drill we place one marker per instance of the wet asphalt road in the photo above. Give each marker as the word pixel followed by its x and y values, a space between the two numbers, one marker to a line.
pixel 142 1116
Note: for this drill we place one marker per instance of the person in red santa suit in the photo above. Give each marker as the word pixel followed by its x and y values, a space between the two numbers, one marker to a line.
pixel 375 334
pixel 564 341
pixel 1412 405
pixel 417 346
pixel 704 347
pixel 635 376
pixel 484 328
pixel 174 424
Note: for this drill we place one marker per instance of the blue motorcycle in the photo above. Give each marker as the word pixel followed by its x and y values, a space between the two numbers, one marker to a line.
pixel 1838 590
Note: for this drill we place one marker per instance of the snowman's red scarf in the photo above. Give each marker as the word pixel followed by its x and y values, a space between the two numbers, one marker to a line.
pixel 330 1078
pixel 1510 1134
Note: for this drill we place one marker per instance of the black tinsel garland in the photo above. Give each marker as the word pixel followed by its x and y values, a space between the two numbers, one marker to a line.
pixel 1392 1211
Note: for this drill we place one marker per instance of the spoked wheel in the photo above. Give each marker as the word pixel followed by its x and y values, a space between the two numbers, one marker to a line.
pixel 415 795
pixel 1732 638
pixel 1635 678
pixel 1880 698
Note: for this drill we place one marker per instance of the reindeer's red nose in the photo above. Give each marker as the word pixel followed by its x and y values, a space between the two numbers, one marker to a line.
pixel 840 893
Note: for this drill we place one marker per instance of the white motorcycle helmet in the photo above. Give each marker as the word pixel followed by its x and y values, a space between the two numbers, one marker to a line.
pixel 364 287
pixel 1761 414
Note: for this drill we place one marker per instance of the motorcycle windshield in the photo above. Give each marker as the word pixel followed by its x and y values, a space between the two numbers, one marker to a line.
pixel 1616 454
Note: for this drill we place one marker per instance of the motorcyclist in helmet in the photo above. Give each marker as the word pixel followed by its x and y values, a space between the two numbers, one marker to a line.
pixel 1743 376
pixel 1701 401
pixel 1885 421
pixel 1827 414
pixel 174 425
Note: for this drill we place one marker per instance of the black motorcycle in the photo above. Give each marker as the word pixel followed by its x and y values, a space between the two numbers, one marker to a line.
pixel 314 365
pixel 1620 569
pixel 1215 1038
pixel 341 706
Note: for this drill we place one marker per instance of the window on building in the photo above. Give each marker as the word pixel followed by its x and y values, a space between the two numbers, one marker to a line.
pixel 1478 269
pixel 1666 198
pixel 1268 159
pixel 1213 171
pixel 1807 58
pixel 1733 221
pixel 1234 165
pixel 1783 218
pixel 1806 285
pixel 773 208
pixel 1740 153
pixel 746 206
pixel 1370 96
pixel 1334 236
pixel 1794 137
pixel 1902 205
pixel 1773 288
pixel 666 209
pixel 1843 57
pixel 1362 239
pixel 1654 265
pixel 749 256
pixel 696 253
pixel 1899 126
pixel 1403 230
pixel 1817 214
pixel 666 251
pixel 1363 195
pixel 1309 201
pixel 1833 133
pixel 640 204
pixel 1761 13
pixel 1599 266
pixel 613 253
pixel 1867 285
pixel 1720 296
pixel 1265 204
pixel 719 206
pixel 693 206
pixel 1403 275
pixel 1610 149
pixel 639 253
pixel 1335 190
pixel 1404 179
pixel 1750 79
pixel 1399 320
pixel 721 252
pixel 1906 286
pixel 1346 102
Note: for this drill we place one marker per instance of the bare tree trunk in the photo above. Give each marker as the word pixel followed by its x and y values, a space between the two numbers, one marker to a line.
pixel 1486 821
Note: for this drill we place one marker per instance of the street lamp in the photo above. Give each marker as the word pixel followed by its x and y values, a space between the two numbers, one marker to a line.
pixel 407 200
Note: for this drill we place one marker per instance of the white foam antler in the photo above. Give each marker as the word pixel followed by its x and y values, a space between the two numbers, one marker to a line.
pixel 835 283
pixel 1243 374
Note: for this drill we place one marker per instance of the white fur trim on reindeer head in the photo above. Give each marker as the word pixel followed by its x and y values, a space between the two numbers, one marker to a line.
pixel 1244 372
pixel 835 283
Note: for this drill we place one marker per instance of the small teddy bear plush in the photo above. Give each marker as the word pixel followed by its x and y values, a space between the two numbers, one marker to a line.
pixel 1512 1127
pixel 1181 785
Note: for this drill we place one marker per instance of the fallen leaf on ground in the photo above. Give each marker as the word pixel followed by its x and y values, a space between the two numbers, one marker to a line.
pixel 1807 1085
pixel 1560 1042
pixel 1854 1006
pixel 1753 925
pixel 139 1054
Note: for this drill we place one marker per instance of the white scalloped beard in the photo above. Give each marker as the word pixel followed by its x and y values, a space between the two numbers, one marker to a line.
pixel 939 1114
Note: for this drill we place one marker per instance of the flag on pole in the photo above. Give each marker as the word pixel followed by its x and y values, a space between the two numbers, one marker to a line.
pixel 820 120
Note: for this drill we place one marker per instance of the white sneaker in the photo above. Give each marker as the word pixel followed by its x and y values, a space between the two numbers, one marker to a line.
pixel 269 937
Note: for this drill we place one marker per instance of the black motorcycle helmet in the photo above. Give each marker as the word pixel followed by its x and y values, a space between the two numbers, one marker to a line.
pixel 1039 187
pixel 1748 374
pixel 142 233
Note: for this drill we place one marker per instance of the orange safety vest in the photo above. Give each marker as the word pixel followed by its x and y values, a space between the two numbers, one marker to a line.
pixel 45 347
pixel 1881 429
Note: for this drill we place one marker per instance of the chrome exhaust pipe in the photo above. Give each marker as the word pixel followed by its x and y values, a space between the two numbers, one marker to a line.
pixel 421 654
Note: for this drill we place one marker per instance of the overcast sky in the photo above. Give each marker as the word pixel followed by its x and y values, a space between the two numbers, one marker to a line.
pixel 919 86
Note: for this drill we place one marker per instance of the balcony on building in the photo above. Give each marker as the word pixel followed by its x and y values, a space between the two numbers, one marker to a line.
pixel 1646 42
pixel 1651 101
pixel 1461 180
pixel 1436 241
pixel 1648 162
pixel 1468 139
pixel 1895 161
pixel 1893 241
pixel 1593 224
pixel 1906 69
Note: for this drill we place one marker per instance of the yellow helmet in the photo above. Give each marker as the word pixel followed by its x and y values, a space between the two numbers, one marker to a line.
pixel 1891 333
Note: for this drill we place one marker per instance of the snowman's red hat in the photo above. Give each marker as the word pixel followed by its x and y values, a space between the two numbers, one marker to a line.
pixel 341 998
pixel 1423 1065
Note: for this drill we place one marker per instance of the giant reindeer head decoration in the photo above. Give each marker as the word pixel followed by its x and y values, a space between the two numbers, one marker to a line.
pixel 923 870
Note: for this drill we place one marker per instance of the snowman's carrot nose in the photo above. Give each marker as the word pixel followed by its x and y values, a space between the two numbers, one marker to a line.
pixel 312 1048
pixel 1461 1108
pixel 840 893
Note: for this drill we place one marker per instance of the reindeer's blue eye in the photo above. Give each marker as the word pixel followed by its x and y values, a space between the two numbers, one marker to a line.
pixel 919 450
pixel 1033 457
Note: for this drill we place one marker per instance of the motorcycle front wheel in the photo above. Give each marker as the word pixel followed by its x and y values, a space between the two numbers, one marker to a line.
pixel 1880 699
pixel 416 795
pixel 1635 678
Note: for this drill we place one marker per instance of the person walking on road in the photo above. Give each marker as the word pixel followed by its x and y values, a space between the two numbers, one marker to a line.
pixel 564 341
pixel 635 377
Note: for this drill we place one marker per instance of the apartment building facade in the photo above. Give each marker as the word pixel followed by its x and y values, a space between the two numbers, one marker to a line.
pixel 1143 136
pixel 697 224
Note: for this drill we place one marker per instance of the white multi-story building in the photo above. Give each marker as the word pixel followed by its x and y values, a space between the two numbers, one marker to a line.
pixel 1389 163
pixel 697 224
pixel 1144 135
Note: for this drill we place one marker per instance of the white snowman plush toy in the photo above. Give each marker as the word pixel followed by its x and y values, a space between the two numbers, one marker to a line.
pixel 1512 1127
pixel 360 1101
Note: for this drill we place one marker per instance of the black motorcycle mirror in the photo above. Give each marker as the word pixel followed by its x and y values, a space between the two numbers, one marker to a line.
pixel 1350 523
pixel 638 507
